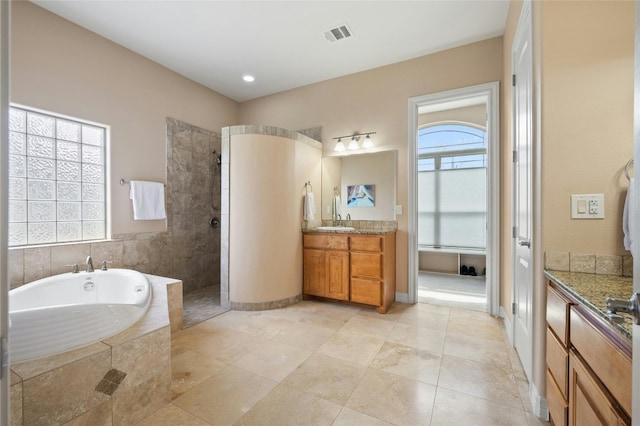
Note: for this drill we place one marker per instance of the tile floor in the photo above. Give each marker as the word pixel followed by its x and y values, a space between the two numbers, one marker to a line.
pixel 200 305
pixel 320 363
pixel 452 290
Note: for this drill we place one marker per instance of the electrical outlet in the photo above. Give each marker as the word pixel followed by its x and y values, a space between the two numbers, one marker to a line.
pixel 587 206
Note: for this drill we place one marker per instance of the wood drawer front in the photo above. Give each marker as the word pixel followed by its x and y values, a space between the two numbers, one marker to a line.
pixel 557 404
pixel 364 291
pixel 558 315
pixel 558 362
pixel 326 242
pixel 589 403
pixel 608 362
pixel 367 265
pixel 366 243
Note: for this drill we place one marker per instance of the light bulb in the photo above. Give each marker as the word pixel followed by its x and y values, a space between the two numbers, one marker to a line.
pixel 353 144
pixel 368 142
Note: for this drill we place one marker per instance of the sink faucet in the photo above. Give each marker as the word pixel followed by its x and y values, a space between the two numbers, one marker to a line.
pixel 340 221
pixel 348 216
pixel 89 264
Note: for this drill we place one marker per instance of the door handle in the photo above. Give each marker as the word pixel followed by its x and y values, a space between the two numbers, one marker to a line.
pixel 631 306
pixel 525 243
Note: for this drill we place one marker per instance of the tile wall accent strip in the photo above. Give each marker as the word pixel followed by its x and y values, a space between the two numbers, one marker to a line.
pixel 263 306
pixel 601 264
pixel 272 131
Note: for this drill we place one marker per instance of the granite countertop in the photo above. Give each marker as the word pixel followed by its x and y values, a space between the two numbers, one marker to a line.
pixel 357 231
pixel 592 291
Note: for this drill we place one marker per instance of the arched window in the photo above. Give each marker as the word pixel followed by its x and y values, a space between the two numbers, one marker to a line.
pixel 452 200
pixel 451 146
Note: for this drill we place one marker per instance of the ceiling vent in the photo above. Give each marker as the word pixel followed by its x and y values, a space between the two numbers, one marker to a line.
pixel 340 32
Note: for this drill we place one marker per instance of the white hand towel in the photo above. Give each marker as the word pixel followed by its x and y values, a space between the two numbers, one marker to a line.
pixel 628 217
pixel 309 206
pixel 148 200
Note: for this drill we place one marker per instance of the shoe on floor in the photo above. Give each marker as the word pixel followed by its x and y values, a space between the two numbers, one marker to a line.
pixel 464 270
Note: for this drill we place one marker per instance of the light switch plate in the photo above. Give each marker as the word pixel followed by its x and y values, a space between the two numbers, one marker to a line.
pixel 399 209
pixel 587 206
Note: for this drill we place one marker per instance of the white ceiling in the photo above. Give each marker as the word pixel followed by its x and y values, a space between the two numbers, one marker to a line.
pixel 281 43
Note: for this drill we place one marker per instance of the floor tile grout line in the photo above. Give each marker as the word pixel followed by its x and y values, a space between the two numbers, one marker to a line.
pixel 368 367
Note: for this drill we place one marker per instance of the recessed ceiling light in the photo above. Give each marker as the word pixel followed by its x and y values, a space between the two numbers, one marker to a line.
pixel 248 78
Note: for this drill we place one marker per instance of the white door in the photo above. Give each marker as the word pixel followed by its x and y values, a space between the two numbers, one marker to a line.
pixel 4 286
pixel 522 62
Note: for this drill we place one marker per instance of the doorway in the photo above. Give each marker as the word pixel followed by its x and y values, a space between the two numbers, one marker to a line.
pixel 457 169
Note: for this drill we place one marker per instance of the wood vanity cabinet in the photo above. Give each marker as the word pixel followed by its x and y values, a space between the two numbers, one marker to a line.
pixel 588 366
pixel 355 268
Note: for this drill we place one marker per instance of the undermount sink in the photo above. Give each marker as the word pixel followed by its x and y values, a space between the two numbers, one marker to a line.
pixel 335 228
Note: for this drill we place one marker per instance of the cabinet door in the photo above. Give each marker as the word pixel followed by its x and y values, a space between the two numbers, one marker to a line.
pixel 337 275
pixel 314 272
pixel 589 403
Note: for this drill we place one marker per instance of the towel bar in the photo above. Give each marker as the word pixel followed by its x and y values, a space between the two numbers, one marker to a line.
pixel 123 181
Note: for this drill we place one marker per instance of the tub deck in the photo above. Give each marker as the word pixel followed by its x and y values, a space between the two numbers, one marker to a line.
pixel 119 380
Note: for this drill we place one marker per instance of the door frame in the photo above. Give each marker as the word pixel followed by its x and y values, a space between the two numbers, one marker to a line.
pixel 491 91
pixel 4 220
pixel 635 391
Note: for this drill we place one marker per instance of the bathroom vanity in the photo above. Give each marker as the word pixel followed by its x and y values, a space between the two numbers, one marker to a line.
pixel 589 371
pixel 357 267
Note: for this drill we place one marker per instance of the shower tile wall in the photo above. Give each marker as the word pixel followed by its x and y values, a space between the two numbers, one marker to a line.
pixel 189 250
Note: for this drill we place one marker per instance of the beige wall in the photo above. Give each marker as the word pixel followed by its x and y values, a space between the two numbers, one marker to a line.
pixel 265 203
pixel 587 119
pixel 63 68
pixel 376 101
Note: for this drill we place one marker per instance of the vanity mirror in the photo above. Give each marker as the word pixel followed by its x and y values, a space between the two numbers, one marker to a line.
pixel 371 177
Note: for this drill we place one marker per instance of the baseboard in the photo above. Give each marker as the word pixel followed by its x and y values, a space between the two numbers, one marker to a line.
pixel 538 403
pixel 508 326
pixel 402 297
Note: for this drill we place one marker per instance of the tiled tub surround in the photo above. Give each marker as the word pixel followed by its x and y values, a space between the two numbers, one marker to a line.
pixel 120 380
pixel 189 250
pixel 589 263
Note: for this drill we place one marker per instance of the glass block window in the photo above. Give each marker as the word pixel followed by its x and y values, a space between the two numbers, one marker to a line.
pixel 57 169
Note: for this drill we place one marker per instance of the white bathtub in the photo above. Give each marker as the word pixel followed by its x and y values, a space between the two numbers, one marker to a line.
pixel 67 311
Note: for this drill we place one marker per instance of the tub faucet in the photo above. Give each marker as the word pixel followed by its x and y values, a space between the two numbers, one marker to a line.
pixel 89 264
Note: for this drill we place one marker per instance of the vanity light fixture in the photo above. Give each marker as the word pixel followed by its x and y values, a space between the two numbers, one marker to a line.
pixel 353 145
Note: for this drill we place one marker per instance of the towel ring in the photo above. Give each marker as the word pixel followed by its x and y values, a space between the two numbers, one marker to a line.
pixel 307 185
pixel 626 168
